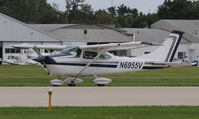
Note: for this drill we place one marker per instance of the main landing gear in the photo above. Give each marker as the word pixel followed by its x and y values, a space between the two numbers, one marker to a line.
pixel 57 81
pixel 73 81
pixel 102 81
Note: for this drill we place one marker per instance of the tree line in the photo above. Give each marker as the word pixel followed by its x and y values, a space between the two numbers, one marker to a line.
pixel 78 12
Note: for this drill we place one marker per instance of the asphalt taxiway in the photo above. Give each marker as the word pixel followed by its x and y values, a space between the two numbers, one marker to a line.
pixel 99 96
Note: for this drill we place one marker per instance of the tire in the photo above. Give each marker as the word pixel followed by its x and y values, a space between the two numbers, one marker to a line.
pixel 71 85
pixel 100 85
pixel 56 85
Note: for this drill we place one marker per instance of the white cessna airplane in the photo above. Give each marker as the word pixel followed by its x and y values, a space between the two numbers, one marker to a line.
pixel 94 60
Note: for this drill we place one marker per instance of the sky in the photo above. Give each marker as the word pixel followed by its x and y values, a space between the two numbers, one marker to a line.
pixel 144 6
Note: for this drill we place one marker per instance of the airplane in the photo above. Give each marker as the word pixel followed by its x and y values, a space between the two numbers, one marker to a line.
pixel 17 60
pixel 95 60
pixel 28 55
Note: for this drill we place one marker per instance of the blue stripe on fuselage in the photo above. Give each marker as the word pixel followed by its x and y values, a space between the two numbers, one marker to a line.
pixel 83 64
pixel 152 67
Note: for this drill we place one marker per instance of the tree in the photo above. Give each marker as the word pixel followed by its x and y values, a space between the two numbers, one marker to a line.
pixel 73 10
pixel 140 21
pixel 102 17
pixel 29 11
pixel 112 11
pixel 151 18
pixel 176 9
pixel 126 15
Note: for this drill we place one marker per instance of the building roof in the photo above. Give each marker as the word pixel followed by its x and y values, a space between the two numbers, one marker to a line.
pixel 49 27
pixel 75 32
pixel 154 35
pixel 15 30
pixel 190 27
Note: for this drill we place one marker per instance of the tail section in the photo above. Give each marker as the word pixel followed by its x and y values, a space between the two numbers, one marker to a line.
pixel 166 52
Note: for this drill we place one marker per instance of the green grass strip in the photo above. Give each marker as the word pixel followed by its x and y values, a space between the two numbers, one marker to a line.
pixel 151 112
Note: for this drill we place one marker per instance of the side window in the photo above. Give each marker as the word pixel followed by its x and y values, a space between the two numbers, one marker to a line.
pixel 89 55
pixel 104 56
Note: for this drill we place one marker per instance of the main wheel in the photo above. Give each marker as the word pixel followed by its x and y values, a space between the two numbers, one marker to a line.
pixel 100 85
pixel 56 85
pixel 71 84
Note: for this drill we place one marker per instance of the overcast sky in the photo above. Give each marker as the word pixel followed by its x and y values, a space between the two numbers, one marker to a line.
pixel 142 5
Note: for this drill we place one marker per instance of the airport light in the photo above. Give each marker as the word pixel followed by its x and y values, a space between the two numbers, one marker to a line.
pixel 50 91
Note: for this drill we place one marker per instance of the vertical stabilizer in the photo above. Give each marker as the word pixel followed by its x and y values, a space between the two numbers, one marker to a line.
pixel 166 52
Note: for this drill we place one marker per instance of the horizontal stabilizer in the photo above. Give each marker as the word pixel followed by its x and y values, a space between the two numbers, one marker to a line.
pixel 171 64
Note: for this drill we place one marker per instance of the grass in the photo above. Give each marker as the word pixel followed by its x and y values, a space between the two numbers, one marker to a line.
pixel 153 112
pixel 15 75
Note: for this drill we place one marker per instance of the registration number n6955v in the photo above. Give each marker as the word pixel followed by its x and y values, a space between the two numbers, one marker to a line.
pixel 131 65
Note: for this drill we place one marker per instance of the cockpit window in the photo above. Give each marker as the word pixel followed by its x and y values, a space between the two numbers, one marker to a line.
pixel 74 51
pixel 105 55
pixel 89 55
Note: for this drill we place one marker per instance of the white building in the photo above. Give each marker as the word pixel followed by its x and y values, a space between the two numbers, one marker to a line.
pixel 13 31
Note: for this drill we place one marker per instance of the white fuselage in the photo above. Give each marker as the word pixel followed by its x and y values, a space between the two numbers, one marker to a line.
pixel 70 66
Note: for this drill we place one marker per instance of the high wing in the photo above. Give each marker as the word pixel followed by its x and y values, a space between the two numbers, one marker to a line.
pixel 109 47
pixel 119 46
pixel 99 47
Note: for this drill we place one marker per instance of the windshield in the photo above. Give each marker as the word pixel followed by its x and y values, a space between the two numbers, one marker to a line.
pixel 74 51
pixel 89 55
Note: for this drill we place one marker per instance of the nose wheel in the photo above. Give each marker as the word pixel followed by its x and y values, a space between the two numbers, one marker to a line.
pixel 100 85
